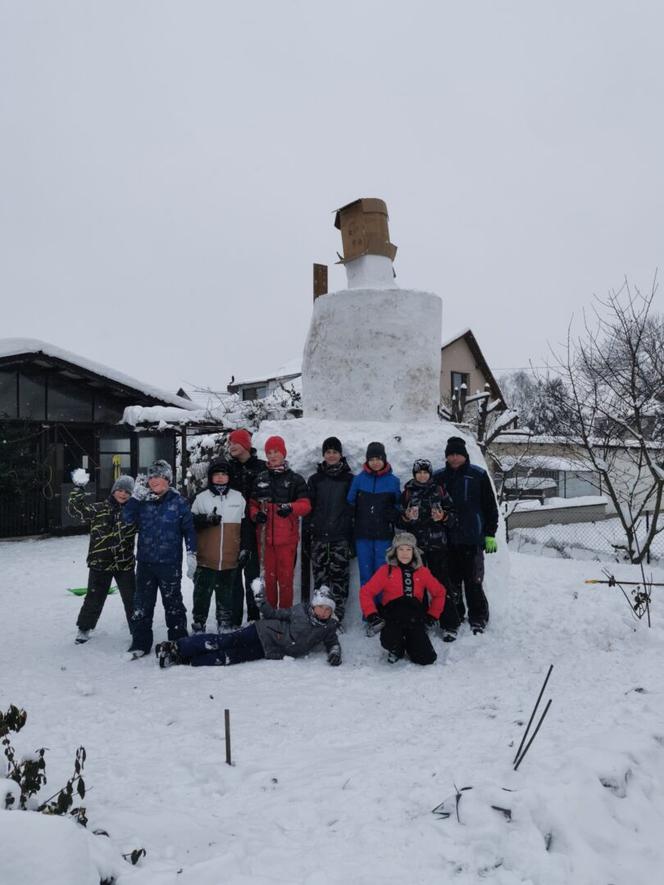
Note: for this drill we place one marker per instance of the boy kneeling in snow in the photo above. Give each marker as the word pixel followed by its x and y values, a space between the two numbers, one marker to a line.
pixel 281 632
pixel 404 617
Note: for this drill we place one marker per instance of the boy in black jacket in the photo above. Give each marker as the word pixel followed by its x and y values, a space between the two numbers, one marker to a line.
pixel 244 468
pixel 426 511
pixel 330 523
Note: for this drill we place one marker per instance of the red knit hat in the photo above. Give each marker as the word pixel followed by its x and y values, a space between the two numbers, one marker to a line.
pixel 242 437
pixel 275 442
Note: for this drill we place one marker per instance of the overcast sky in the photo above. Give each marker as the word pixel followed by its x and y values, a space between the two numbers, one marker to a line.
pixel 169 169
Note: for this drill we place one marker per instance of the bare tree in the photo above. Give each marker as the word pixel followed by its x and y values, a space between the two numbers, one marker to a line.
pixel 611 405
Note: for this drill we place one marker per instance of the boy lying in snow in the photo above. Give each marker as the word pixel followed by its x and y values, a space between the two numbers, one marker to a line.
pixel 281 632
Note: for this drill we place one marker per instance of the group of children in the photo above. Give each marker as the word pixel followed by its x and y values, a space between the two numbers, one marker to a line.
pixel 417 550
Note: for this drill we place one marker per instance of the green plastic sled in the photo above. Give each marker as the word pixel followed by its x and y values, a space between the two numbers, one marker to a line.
pixel 81 591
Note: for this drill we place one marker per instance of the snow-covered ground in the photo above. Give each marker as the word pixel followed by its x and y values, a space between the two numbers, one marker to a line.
pixel 337 770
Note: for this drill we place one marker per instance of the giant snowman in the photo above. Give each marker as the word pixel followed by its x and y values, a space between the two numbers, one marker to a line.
pixel 371 365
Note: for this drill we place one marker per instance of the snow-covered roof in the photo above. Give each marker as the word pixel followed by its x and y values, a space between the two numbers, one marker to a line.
pixel 545 462
pixel 19 346
pixel 291 369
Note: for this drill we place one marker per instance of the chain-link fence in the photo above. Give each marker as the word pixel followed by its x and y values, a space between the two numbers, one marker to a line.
pixel 576 533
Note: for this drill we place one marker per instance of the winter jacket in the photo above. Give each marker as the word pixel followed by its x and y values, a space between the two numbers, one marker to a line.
pixel 276 487
pixel 375 499
pixel 474 503
pixel 111 547
pixel 162 524
pixel 243 476
pixel 431 535
pixel 331 517
pixel 388 580
pixel 218 546
pixel 293 631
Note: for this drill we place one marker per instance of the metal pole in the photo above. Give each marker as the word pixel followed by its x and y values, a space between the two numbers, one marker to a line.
pixel 227 728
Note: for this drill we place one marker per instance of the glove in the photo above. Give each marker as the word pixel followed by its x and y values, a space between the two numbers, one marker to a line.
pixel 334 656
pixel 430 622
pixel 490 545
pixel 284 510
pixel 261 517
pixel 80 477
pixel 141 490
pixel 243 557
pixel 374 624
pixel 192 564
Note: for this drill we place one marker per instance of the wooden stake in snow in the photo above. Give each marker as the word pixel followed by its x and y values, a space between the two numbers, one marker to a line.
pixel 227 726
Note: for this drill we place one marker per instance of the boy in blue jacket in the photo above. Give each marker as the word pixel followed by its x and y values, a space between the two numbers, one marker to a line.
pixel 163 520
pixel 374 496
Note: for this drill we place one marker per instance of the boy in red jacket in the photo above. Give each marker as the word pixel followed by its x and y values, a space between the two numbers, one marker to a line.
pixel 403 583
pixel 278 500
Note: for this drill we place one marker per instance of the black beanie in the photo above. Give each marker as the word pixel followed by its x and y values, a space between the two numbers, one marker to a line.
pixel 376 450
pixel 334 444
pixel 456 446
pixel 219 465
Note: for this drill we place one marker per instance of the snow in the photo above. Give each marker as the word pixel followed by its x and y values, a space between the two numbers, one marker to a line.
pixel 80 477
pixel 336 770
pixel 544 462
pixel 16 346
pixel 373 355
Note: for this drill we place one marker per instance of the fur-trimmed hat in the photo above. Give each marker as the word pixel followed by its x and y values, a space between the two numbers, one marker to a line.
pixel 322 597
pixel 241 437
pixel 404 539
pixel 123 483
pixel 275 442
pixel 161 469
pixel 456 446
pixel 332 444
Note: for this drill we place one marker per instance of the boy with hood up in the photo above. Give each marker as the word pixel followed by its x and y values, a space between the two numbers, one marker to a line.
pixel 374 499
pixel 218 513
pixel 330 523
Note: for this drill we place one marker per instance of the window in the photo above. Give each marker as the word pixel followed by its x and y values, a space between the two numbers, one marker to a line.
pixel 458 379
pixel 107 409
pixel 152 448
pixel 8 397
pixel 31 396
pixel 250 393
pixel 68 401
pixel 114 459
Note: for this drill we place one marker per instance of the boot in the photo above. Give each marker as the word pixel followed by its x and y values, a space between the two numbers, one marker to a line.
pixel 82 636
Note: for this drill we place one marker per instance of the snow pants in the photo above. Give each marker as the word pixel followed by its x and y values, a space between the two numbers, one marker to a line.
pixel 436 560
pixel 212 649
pixel 330 562
pixel 206 582
pixel 242 590
pixel 150 577
pixel 466 567
pixel 99 584
pixel 370 556
pixel 279 572
pixel 405 633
